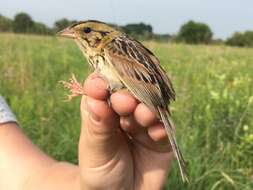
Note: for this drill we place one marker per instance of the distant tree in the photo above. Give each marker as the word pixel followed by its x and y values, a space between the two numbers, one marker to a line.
pixel 139 30
pixel 195 33
pixel 42 29
pixel 5 24
pixel 241 39
pixel 63 23
pixel 23 23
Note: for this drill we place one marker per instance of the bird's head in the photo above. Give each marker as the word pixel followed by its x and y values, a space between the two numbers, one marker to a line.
pixel 90 34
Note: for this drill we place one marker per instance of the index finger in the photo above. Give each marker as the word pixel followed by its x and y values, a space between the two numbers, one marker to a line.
pixel 96 87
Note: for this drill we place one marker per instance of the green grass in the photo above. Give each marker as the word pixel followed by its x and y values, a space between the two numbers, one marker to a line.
pixel 213 111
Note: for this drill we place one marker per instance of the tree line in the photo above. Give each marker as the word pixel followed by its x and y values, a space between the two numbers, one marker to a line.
pixel 190 32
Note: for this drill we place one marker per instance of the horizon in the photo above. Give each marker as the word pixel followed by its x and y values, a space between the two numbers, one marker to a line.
pixel 224 18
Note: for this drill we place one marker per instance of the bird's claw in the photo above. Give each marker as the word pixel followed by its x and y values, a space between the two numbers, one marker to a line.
pixel 76 89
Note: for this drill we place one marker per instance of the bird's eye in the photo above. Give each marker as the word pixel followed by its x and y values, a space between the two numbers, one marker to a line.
pixel 87 30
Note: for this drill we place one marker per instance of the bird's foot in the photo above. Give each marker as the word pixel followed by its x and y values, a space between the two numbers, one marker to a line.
pixel 75 88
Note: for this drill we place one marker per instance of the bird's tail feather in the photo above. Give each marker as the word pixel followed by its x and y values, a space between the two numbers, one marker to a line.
pixel 169 127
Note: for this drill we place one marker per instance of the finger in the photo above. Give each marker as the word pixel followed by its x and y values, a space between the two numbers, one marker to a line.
pixel 138 133
pixel 129 125
pixel 144 116
pixel 153 137
pixel 99 139
pixel 157 133
pixel 96 87
pixel 123 103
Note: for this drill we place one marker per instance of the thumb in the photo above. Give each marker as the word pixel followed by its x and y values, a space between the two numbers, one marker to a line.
pixel 99 139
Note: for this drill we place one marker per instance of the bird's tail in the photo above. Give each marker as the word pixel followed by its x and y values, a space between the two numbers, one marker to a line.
pixel 169 127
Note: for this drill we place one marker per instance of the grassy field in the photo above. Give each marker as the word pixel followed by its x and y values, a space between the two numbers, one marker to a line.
pixel 213 111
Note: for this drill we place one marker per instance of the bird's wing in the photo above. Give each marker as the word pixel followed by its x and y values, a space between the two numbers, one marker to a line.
pixel 140 71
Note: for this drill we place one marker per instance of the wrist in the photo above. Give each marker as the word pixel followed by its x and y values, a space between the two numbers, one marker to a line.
pixel 57 175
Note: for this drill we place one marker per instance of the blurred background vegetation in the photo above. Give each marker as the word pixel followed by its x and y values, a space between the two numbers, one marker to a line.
pixel 190 32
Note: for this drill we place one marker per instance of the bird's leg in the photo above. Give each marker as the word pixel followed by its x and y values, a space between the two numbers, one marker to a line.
pixel 76 89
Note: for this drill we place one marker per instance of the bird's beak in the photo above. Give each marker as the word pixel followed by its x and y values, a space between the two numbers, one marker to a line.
pixel 67 33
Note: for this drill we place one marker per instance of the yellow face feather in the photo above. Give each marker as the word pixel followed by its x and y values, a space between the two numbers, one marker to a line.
pixel 91 34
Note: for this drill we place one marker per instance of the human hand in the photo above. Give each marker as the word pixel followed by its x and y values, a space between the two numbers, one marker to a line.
pixel 122 146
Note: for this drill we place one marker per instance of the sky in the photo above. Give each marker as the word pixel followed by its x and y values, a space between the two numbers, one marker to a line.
pixel 166 16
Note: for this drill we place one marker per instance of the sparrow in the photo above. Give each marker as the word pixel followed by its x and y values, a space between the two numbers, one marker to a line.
pixel 124 63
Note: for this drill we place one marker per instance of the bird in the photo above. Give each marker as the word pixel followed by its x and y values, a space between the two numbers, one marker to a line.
pixel 125 63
